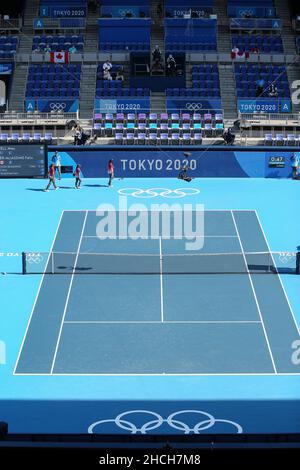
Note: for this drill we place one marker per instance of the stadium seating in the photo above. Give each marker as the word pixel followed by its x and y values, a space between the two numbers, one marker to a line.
pixel 53 80
pixel 281 139
pixel 247 75
pixel 58 43
pixel 115 88
pixel 158 129
pixel 26 137
pixel 263 43
pixel 8 46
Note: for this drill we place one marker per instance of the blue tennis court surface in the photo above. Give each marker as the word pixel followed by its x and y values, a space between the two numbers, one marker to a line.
pixel 134 353
pixel 160 324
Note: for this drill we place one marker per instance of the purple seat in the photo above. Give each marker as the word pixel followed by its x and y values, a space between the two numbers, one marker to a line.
pixel 130 117
pixel 152 117
pixel 141 126
pixel 142 117
pixel 197 117
pixel 185 117
pixel 109 117
pixel 164 117
pixel 98 117
pixel 175 117
pixel 207 117
pixel 218 118
pixel 120 117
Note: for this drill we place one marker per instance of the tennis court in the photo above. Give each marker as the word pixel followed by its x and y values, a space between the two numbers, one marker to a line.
pixel 201 350
pixel 195 315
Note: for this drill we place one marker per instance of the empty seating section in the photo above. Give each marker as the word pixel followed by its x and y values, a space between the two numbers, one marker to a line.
pixel 247 76
pixel 8 46
pixel 178 8
pixel 115 88
pixel 26 137
pixel 162 129
pixel 124 34
pixel 263 43
pixel 205 79
pixel 58 43
pixel 191 35
pixel 130 8
pixel 298 44
pixel 282 139
pixel 53 80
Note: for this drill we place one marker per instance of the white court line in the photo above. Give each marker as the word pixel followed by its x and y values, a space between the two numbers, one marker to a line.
pixel 68 295
pixel 206 210
pixel 278 275
pixel 161 281
pixel 38 292
pixel 164 238
pixel 254 293
pixel 228 374
pixel 188 322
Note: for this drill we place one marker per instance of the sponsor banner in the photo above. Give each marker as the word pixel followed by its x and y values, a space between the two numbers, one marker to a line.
pixel 268 105
pixel 255 23
pixel 193 104
pixel 248 11
pixel 48 105
pixel 176 11
pixel 121 11
pixel 122 105
pixel 6 69
pixel 139 162
pixel 59 11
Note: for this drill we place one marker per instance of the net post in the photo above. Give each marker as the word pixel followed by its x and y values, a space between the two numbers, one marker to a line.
pixel 24 263
pixel 52 262
pixel 298 262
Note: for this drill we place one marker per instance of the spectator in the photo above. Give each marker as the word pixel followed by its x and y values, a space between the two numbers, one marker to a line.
pixel 156 54
pixel 159 10
pixel 260 87
pixel 37 49
pixel 235 49
pixel 107 66
pixel 273 92
pixel 47 48
pixel 295 165
pixel 229 136
pixel 72 49
pixel 171 66
pixel 107 75
pixel 120 75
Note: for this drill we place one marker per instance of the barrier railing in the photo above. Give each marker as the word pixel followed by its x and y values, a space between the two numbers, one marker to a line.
pixel 11 24
pixel 273 24
pixel 5 118
pixel 59 23
pixel 266 119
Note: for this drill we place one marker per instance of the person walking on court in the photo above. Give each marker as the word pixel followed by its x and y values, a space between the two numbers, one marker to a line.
pixel 295 165
pixel 77 176
pixel 111 172
pixel 51 175
pixel 57 163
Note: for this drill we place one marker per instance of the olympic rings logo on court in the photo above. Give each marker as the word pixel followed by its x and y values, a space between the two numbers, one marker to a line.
pixel 286 257
pixel 57 106
pixel 155 192
pixel 34 258
pixel 193 106
pixel 176 421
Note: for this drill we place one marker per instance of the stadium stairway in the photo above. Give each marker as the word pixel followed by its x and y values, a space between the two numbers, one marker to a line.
pixel 158 102
pixel 228 90
pixel 92 31
pixel 224 39
pixel 293 73
pixel 87 90
pixel 287 34
pixel 17 92
pixel 157 99
pixel 30 13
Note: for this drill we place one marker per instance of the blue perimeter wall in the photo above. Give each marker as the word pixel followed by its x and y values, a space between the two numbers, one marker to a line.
pixel 212 162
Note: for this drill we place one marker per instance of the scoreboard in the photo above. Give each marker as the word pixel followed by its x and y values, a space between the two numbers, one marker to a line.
pixel 22 161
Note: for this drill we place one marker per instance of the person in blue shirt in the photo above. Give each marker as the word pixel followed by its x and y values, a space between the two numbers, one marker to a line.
pixel 260 87
pixel 57 163
pixel 295 165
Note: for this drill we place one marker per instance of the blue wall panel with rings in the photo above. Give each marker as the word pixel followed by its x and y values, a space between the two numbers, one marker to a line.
pixel 165 162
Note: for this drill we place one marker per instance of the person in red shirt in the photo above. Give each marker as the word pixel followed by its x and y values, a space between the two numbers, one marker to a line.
pixel 77 176
pixel 111 172
pixel 51 175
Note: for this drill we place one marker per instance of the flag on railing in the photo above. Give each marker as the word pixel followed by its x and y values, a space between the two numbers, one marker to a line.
pixel 239 55
pixel 59 57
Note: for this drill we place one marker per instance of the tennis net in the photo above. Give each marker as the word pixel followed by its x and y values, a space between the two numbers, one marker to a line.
pixel 168 263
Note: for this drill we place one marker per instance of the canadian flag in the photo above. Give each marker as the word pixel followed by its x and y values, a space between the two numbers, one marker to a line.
pixel 239 55
pixel 59 57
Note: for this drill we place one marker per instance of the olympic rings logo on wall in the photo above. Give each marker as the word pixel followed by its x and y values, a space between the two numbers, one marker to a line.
pixel 57 106
pixel 155 192
pixel 180 421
